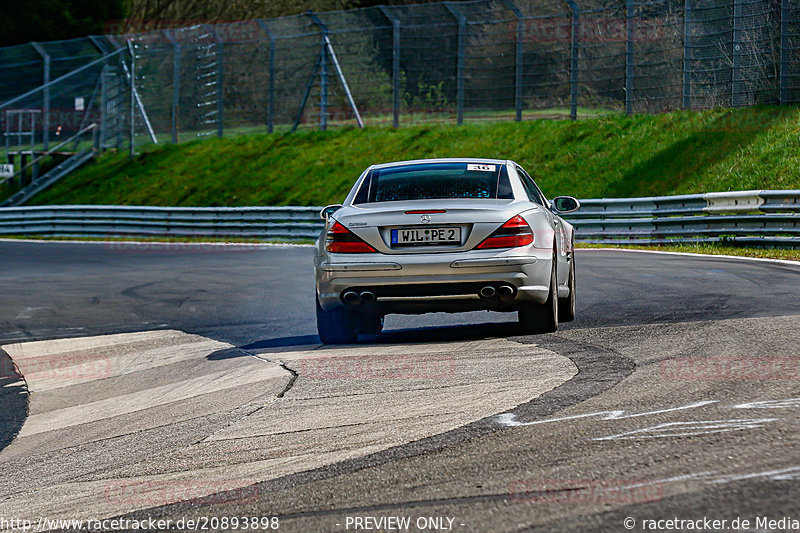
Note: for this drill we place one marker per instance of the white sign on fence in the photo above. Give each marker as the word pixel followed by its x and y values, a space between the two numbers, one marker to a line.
pixel 6 171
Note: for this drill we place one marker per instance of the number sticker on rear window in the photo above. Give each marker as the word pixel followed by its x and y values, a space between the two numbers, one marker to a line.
pixel 482 168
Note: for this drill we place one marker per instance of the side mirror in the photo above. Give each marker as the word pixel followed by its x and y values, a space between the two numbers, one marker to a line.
pixel 327 211
pixel 565 204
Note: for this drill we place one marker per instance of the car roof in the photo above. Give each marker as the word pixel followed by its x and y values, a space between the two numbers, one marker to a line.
pixel 443 160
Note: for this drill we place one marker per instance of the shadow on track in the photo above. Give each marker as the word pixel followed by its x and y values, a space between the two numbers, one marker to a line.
pixel 13 398
pixel 466 332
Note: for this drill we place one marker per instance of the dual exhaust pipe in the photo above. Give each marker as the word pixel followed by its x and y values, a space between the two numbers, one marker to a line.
pixel 354 298
pixel 504 293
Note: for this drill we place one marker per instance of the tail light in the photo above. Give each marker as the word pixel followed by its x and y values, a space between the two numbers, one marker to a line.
pixel 515 232
pixel 341 240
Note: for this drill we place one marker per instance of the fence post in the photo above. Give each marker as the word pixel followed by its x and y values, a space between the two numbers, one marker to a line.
pixel 687 54
pixel 462 33
pixel 132 131
pixel 629 16
pixel 784 66
pixel 735 51
pixel 138 100
pixel 573 69
pixel 220 57
pixel 176 82
pixel 519 79
pixel 99 132
pixel 271 88
pixel 309 86
pixel 95 140
pixel 271 83
pixel 395 65
pixel 45 96
pixel 323 93
pixel 323 65
pixel 103 103
pixel 327 48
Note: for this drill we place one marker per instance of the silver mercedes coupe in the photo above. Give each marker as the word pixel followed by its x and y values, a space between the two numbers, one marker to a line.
pixel 447 235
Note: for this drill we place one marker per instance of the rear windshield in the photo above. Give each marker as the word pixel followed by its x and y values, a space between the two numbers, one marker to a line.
pixel 433 181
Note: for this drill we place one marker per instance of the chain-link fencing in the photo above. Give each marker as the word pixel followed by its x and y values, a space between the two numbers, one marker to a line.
pixel 449 61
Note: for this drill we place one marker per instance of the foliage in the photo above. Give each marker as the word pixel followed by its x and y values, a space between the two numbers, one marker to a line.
pixel 175 13
pixel 45 20
pixel 428 97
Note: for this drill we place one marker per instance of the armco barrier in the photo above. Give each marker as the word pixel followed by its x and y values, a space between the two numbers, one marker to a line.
pixel 770 218
pixel 122 221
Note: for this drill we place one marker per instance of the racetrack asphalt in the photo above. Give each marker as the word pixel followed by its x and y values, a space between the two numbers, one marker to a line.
pixel 685 403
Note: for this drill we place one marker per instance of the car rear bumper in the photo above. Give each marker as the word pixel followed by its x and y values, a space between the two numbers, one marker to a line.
pixel 418 283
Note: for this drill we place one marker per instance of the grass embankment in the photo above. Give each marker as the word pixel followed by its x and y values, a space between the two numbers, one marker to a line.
pixel 611 156
pixel 709 249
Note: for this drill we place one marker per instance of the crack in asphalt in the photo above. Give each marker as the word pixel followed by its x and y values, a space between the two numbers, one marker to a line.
pixel 599 369
pixel 286 388
pixel 281 364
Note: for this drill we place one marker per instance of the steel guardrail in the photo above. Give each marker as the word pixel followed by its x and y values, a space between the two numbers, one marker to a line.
pixel 758 217
pixel 761 217
pixel 132 221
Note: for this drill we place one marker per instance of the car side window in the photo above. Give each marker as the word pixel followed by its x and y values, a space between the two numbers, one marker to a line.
pixel 545 201
pixel 534 195
pixel 362 196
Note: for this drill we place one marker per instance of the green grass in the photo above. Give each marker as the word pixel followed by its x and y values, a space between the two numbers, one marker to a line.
pixel 709 249
pixel 607 156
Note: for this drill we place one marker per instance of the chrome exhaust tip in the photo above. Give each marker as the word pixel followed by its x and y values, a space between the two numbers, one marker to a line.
pixel 486 292
pixel 368 296
pixel 351 298
pixel 505 292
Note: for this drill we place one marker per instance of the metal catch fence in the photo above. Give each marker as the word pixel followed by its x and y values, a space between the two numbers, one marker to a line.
pixel 447 61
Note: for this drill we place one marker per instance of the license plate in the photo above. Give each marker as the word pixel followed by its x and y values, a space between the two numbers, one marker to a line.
pixel 414 236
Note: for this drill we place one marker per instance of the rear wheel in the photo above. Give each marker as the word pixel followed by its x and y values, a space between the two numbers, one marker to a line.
pixel 566 306
pixel 339 326
pixel 370 324
pixel 542 318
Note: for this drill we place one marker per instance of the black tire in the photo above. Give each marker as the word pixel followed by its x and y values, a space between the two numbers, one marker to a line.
pixel 566 306
pixel 339 326
pixel 536 318
pixel 370 324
